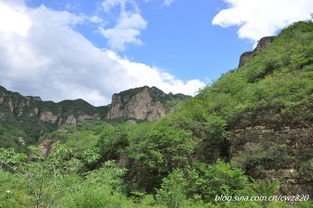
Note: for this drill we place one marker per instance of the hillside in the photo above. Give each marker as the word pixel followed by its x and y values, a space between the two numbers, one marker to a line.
pixel 23 119
pixel 265 110
pixel 248 134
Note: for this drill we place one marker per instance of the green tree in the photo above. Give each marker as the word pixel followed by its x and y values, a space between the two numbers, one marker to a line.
pixel 163 150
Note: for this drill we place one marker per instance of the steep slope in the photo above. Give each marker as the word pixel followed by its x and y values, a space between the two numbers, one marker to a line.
pixel 266 110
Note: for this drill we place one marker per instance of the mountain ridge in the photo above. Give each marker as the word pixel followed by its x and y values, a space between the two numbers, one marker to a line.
pixel 248 134
pixel 34 117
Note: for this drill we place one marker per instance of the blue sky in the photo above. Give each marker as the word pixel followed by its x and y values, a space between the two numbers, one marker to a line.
pixel 179 38
pixel 69 49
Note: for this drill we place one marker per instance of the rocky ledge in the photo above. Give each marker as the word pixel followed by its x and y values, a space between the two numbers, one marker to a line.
pixel 262 45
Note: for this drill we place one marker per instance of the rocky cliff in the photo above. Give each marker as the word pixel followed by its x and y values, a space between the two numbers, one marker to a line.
pixel 261 46
pixel 275 152
pixel 143 103
pixel 27 117
pixel 15 106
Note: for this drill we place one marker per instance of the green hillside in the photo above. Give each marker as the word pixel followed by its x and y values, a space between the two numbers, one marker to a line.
pixel 21 118
pixel 24 119
pixel 191 157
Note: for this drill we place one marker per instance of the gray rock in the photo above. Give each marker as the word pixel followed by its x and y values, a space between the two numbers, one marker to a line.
pixel 141 106
pixel 262 45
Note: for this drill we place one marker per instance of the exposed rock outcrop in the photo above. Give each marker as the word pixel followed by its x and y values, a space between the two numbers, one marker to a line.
pixel 45 147
pixel 275 152
pixel 29 117
pixel 32 116
pixel 141 104
pixel 21 141
pixel 32 108
pixel 49 117
pixel 262 45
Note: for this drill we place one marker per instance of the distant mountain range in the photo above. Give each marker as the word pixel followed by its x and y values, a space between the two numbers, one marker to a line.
pixel 23 119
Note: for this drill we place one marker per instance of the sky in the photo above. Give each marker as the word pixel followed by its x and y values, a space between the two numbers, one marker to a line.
pixel 70 49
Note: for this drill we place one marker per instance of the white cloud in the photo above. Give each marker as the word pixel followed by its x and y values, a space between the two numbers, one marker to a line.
pixel 127 26
pixel 259 18
pixel 16 3
pixel 95 19
pixel 126 31
pixel 107 5
pixel 153 76
pixel 54 61
pixel 167 2
pixel 13 19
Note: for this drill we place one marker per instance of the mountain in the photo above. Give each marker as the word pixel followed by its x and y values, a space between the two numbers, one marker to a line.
pixel 248 134
pixel 258 117
pixel 143 103
pixel 23 119
pixel 265 111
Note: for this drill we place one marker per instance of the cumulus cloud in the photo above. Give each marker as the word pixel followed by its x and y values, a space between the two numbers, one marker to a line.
pixel 47 57
pixel 13 20
pixel 127 26
pixel 126 31
pixel 259 18
pixel 153 76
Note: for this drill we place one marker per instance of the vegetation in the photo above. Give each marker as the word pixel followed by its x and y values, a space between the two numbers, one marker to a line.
pixel 60 180
pixel 22 117
pixel 182 160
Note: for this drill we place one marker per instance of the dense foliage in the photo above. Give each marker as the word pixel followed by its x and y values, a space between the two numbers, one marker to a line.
pixel 60 180
pixel 183 159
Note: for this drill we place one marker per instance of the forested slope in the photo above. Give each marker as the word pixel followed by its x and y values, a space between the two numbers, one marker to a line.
pixel 248 134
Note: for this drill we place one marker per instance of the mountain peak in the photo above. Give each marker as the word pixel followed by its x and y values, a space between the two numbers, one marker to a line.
pixel 143 103
pixel 33 117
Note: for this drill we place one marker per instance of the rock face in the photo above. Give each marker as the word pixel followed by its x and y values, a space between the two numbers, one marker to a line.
pixel 49 117
pixel 22 108
pixel 34 117
pixel 45 147
pixel 275 152
pixel 141 104
pixel 29 117
pixel 262 45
